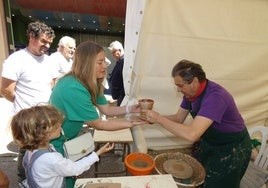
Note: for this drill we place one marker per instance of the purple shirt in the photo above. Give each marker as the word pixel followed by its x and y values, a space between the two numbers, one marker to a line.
pixel 218 105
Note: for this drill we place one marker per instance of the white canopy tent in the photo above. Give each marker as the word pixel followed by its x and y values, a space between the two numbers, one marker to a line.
pixel 228 38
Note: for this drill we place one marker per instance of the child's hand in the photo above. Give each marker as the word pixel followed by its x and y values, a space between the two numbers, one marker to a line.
pixel 107 147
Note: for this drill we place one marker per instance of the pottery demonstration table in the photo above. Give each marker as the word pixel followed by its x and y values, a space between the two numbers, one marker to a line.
pixel 122 137
pixel 150 181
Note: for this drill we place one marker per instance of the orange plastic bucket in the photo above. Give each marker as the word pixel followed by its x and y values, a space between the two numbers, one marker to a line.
pixel 139 164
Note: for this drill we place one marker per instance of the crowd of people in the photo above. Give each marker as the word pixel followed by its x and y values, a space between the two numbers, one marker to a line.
pixel 31 78
pixel 65 91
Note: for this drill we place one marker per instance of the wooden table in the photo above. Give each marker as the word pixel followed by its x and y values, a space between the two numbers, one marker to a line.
pixel 123 137
pixel 119 136
pixel 150 181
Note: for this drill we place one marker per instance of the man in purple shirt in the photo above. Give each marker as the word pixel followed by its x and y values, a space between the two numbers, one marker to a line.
pixel 224 146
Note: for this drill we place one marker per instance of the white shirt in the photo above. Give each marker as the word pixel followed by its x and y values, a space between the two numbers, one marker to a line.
pixel 50 168
pixel 33 75
pixel 62 65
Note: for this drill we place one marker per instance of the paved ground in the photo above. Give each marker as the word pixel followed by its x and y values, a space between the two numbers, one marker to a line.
pixel 8 150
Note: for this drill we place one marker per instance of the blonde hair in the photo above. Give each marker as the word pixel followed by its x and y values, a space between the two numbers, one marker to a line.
pixel 31 127
pixel 84 66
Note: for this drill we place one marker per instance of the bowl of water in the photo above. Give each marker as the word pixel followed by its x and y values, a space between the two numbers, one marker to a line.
pixel 139 164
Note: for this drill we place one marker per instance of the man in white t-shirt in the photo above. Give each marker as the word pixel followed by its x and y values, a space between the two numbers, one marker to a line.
pixel 63 58
pixel 28 76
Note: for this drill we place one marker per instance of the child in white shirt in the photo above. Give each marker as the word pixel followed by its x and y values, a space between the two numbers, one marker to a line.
pixel 32 129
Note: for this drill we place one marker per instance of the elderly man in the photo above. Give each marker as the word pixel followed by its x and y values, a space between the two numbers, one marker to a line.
pixel 63 58
pixel 116 77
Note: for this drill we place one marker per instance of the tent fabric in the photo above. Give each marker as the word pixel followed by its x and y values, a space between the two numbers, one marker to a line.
pixel 228 38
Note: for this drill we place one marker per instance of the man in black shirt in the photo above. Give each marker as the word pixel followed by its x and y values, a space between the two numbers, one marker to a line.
pixel 116 77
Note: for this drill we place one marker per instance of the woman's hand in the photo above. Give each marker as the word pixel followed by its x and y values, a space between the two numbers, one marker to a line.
pixel 135 120
pixel 138 122
pixel 107 147
pixel 133 108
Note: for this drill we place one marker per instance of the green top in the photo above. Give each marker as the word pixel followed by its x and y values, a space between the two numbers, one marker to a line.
pixel 72 98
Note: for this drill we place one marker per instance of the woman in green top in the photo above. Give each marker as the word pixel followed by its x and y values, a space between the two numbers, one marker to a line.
pixel 80 92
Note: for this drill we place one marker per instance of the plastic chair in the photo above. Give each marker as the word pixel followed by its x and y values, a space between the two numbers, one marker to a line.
pixel 262 157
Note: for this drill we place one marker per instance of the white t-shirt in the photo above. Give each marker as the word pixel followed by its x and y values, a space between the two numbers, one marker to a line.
pixel 62 65
pixel 50 168
pixel 33 75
